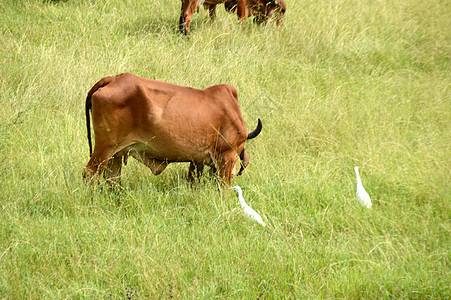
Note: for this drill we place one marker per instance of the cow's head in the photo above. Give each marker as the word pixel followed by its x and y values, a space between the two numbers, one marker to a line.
pixel 277 9
pixel 267 9
pixel 262 10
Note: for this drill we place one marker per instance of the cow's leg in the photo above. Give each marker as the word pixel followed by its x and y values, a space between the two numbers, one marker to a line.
pixel 211 11
pixel 188 8
pixel 213 170
pixel 96 164
pixel 182 26
pixel 230 6
pixel 195 169
pixel 242 10
pixel 112 172
pixel 226 163
pixel 157 166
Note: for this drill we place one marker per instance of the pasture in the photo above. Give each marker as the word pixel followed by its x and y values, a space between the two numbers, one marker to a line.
pixel 343 83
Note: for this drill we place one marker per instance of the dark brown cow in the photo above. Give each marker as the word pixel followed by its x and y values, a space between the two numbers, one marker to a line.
pixel 262 10
pixel 158 123
pixel 190 6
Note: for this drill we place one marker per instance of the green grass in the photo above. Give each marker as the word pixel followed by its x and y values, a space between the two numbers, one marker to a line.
pixel 341 84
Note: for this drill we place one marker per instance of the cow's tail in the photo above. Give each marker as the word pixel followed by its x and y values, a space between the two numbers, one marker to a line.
pixel 256 132
pixel 88 106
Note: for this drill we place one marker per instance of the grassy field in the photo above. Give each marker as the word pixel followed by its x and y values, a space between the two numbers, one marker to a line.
pixel 342 83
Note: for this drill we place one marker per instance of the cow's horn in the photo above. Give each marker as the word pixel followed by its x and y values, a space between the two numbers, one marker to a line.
pixel 256 132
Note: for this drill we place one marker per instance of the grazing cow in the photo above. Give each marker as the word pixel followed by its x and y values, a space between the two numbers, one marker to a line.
pixel 158 123
pixel 263 10
pixel 190 6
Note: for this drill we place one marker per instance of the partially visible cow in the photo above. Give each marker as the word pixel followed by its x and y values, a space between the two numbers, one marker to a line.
pixel 190 6
pixel 158 123
pixel 262 10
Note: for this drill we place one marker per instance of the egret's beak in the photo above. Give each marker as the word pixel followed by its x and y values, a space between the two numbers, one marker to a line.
pixel 230 188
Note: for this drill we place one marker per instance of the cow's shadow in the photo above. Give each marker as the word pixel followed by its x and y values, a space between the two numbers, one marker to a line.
pixel 151 25
pixel 174 177
pixel 159 25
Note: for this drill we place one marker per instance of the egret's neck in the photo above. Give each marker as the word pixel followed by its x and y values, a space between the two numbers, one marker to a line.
pixel 241 199
pixel 359 181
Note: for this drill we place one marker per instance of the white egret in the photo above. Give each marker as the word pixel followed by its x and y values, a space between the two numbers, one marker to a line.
pixel 361 194
pixel 248 211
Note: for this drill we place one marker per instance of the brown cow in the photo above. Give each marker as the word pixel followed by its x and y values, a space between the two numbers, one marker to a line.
pixel 190 6
pixel 158 123
pixel 263 10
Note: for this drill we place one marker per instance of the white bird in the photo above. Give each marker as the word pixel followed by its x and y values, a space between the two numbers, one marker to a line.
pixel 248 211
pixel 361 194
